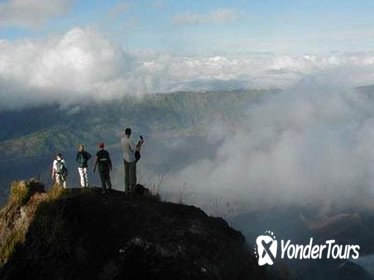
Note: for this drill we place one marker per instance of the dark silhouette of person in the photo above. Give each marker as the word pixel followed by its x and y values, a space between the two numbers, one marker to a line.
pixel 104 164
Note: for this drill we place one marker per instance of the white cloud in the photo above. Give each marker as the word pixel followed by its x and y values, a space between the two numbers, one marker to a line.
pixel 80 64
pixel 309 145
pixel 83 64
pixel 269 71
pixel 218 16
pixel 31 13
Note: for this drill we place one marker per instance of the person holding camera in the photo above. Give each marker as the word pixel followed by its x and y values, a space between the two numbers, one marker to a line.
pixel 131 155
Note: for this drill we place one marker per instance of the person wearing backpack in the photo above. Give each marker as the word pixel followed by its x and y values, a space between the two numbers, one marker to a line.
pixel 131 155
pixel 104 164
pixel 59 171
pixel 82 159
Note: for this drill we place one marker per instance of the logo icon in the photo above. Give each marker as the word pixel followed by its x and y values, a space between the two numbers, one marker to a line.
pixel 266 248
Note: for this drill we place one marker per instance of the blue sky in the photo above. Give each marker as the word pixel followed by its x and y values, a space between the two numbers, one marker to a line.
pixel 204 26
pixel 108 49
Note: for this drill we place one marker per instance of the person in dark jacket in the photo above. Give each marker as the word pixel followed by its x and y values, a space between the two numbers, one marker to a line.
pixel 104 164
pixel 82 160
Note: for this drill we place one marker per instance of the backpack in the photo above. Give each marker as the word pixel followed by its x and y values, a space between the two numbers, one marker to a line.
pixel 61 168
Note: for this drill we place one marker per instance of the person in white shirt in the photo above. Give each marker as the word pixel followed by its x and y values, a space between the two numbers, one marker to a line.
pixel 130 159
pixel 59 171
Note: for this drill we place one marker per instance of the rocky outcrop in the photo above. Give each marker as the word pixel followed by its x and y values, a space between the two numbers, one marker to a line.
pixel 82 234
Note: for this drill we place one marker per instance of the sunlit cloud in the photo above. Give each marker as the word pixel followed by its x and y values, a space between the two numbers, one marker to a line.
pixel 312 144
pixel 84 64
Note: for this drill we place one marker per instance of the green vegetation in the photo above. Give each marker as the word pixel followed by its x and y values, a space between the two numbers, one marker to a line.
pixel 83 234
pixel 27 199
pixel 21 191
pixel 56 192
pixel 57 129
pixel 17 215
pixel 8 246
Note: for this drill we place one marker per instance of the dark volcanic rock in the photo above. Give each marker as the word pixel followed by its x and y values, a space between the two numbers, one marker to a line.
pixel 351 271
pixel 87 235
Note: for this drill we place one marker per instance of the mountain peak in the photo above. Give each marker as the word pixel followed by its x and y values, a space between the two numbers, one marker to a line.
pixel 83 234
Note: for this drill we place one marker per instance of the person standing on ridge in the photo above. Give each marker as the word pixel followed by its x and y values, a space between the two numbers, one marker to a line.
pixel 59 171
pixel 82 159
pixel 104 164
pixel 131 154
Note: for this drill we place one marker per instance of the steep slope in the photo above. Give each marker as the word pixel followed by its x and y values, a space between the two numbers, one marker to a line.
pixel 87 235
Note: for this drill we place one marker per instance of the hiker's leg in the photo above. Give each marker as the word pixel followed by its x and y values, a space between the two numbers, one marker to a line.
pixel 135 177
pixel 85 177
pixel 59 179
pixel 108 182
pixel 64 184
pixel 102 179
pixel 132 175
pixel 127 175
pixel 81 175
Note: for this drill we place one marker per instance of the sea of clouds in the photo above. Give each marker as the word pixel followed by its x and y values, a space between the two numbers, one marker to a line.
pixel 306 146
pixel 83 64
